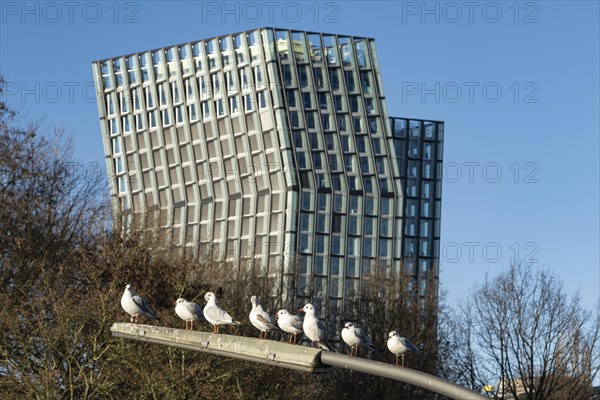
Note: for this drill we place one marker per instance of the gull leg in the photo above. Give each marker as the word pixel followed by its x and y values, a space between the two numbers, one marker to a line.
pixel 290 341
pixel 397 360
pixel 402 360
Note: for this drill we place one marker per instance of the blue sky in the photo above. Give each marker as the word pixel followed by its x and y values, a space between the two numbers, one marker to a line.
pixel 516 82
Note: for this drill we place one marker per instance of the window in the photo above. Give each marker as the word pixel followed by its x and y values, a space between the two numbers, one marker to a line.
pixel 369 222
pixel 144 67
pixel 319 79
pixel 373 125
pixel 286 72
pixel 136 99
pixel 175 93
pixel 244 78
pixel 334 76
pixel 342 123
pixel 305 225
pixel 258 77
pixel 338 203
pixel 303 76
pixel 384 227
pixel 337 224
pixel 353 225
pixel 233 105
pixel 117 67
pixel 216 83
pixel 301 160
pixel 336 248
pixel 205 89
pixel 369 184
pixel 219 108
pixel 162 95
pixel 196 52
pixel 322 200
pixel 307 100
pixel 166 117
pixel 230 81
pixel 139 122
pixel 367 82
pixel 370 106
pixel 368 247
pixel 152 119
pixel 193 113
pixel 158 67
pixel 262 101
pixel 339 103
pixel 123 102
pixel 385 206
pixel 321 223
pixel 149 98
pixel 116 146
pixel 109 105
pixel 358 125
pixel 113 126
pixel 350 81
pixel 376 142
pixel 178 115
pixel 206 110
pixel 127 124
pixel 248 103
pixel 354 104
pixel 352 247
pixel 189 90
pixel 292 98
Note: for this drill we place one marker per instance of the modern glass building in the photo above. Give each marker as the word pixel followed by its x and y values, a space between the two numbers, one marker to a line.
pixel 274 147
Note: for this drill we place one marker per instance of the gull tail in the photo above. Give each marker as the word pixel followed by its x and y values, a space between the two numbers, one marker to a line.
pixel 324 346
pixel 372 347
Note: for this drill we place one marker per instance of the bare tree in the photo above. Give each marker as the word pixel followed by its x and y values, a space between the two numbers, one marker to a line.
pixel 522 333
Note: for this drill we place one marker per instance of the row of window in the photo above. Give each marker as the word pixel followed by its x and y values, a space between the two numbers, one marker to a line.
pixel 167 62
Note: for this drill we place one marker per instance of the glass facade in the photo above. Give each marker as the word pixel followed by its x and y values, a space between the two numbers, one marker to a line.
pixel 274 146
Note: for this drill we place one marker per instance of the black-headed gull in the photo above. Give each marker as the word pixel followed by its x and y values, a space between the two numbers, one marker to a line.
pixel 289 323
pixel 313 327
pixel 354 337
pixel 262 320
pixel 136 305
pixel 400 345
pixel 215 314
pixel 189 311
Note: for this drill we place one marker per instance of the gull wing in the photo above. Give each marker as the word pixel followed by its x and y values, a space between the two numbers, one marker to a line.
pixel 296 322
pixel 267 320
pixel 364 338
pixel 195 309
pixel 216 313
pixel 409 345
pixel 141 303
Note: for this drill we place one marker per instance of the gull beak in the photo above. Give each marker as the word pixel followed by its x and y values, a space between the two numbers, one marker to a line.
pixel 301 310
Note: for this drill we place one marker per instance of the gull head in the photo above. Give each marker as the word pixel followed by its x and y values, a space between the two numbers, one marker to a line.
pixel 348 325
pixel 128 287
pixel 255 300
pixel 308 308
pixel 209 295
pixel 180 300
pixel 393 333
pixel 281 313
